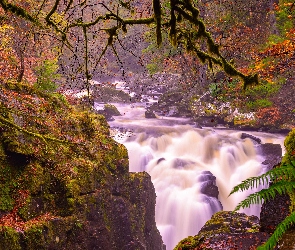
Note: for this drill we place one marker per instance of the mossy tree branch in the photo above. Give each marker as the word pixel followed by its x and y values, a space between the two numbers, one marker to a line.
pixel 7 123
pixel 213 56
pixel 180 10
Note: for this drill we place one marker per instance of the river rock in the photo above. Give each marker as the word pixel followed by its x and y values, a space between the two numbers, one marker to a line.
pixel 149 114
pixel 172 104
pixel 252 137
pixel 226 230
pixel 109 111
pixel 108 94
pixel 272 153
pixel 208 184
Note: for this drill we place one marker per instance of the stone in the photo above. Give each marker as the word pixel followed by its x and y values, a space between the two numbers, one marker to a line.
pixel 274 212
pixel 109 111
pixel 226 230
pixel 287 241
pixel 255 139
pixel 208 184
pixel 119 216
pixel 272 153
pixel 149 114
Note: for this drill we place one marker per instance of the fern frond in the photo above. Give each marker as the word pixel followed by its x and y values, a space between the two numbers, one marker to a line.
pixel 280 230
pixel 285 172
pixel 281 187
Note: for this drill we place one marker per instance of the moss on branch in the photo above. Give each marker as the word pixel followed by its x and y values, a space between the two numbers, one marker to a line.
pixel 180 10
pixel 44 138
pixel 18 11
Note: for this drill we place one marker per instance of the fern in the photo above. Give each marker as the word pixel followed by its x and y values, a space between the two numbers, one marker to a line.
pixel 285 172
pixel 281 187
pixel 283 179
pixel 280 230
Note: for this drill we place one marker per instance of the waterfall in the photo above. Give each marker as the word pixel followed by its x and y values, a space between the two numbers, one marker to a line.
pixel 186 164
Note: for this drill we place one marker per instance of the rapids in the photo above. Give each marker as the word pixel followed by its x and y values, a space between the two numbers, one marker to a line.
pixel 182 160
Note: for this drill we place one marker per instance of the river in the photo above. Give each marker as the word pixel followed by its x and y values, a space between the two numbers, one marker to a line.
pixel 184 163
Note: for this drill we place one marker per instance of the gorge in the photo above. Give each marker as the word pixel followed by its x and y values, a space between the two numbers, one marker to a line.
pixel 193 170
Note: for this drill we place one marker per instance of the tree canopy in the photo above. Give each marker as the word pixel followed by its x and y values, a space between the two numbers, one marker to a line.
pixel 99 24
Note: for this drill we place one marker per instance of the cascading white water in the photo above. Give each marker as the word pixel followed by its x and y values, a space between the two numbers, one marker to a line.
pixel 182 160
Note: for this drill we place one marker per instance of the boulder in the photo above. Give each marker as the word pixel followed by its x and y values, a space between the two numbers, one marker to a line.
pixel 172 104
pixel 226 230
pixel 109 111
pixel 273 212
pixel 119 216
pixel 272 153
pixel 149 114
pixel 109 94
pixel 253 138
pixel 208 184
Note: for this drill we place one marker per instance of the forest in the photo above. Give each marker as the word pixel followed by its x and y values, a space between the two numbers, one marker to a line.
pixel 217 63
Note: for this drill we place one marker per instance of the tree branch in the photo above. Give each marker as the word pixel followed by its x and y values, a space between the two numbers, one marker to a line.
pixel 18 11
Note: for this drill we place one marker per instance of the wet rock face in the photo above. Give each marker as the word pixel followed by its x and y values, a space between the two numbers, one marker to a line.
pixel 109 111
pixel 287 240
pixel 226 230
pixel 119 216
pixel 273 154
pixel 208 184
pixel 274 212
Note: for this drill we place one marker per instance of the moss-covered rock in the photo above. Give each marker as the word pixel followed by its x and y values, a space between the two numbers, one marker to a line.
pixel 109 111
pixel 109 94
pixel 226 230
pixel 290 143
pixel 64 182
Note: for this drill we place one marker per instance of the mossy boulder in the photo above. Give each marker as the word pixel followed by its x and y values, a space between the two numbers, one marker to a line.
pixel 121 215
pixel 172 103
pixel 65 182
pixel 290 143
pixel 109 94
pixel 109 111
pixel 226 230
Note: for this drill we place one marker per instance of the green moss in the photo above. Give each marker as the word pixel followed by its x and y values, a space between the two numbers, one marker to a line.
pixel 111 109
pixel 34 237
pixel 56 176
pixel 37 177
pixel 6 201
pixel 25 212
pixel 9 239
pixel 290 142
pixel 220 223
pixel 73 188
pixel 71 202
